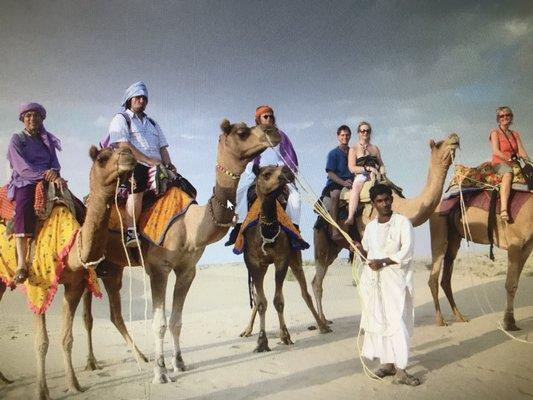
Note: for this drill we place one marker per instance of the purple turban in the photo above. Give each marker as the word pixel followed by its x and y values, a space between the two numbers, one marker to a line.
pixel 25 107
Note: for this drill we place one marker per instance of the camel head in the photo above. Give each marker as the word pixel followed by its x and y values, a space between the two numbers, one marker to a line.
pixel 271 180
pixel 239 144
pixel 443 152
pixel 108 166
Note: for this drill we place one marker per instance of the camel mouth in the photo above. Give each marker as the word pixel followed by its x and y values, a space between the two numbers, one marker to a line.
pixel 125 167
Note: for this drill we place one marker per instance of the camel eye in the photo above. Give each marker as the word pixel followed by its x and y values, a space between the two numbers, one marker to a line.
pixel 267 175
pixel 242 133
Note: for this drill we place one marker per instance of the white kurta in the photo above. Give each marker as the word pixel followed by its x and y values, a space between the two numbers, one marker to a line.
pixel 388 313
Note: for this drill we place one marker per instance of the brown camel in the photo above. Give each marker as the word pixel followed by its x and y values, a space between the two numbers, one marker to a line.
pixel 446 235
pixel 106 169
pixel 267 243
pixel 417 209
pixel 186 240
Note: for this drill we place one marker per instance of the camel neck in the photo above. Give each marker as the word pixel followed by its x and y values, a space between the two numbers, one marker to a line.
pixel 268 218
pixel 94 229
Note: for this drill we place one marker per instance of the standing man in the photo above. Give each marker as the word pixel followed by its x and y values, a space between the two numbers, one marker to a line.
pixel 134 130
pixel 339 176
pixel 387 288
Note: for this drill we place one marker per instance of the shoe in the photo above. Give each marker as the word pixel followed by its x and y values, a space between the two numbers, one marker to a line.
pixel 21 274
pixel 233 235
pixel 130 238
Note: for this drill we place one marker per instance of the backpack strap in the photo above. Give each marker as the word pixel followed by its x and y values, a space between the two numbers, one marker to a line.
pixel 128 120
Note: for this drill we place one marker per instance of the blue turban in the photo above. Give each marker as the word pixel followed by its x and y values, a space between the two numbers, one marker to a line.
pixel 136 89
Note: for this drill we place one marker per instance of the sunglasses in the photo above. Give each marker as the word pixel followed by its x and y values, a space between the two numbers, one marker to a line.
pixel 267 116
pixel 504 115
pixel 364 130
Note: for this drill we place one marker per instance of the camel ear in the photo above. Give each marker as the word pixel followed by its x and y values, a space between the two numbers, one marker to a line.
pixel 225 126
pixel 93 153
pixel 432 144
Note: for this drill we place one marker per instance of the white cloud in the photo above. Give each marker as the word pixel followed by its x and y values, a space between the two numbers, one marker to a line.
pixel 102 122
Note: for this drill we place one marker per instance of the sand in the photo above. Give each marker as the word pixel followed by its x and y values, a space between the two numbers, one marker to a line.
pixel 473 360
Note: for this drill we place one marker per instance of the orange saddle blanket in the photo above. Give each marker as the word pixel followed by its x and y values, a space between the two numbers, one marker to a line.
pixel 157 218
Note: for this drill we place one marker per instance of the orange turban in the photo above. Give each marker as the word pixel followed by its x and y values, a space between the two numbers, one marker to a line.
pixel 262 110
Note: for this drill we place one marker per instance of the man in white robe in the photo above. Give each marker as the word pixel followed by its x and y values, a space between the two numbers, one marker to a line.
pixel 387 288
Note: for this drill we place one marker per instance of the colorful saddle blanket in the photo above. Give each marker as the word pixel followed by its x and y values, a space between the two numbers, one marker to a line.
pixel 252 219
pixel 52 245
pixel 157 218
pixel 7 207
pixel 481 199
pixel 482 176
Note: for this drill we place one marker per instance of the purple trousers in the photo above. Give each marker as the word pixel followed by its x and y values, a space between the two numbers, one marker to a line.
pixel 25 218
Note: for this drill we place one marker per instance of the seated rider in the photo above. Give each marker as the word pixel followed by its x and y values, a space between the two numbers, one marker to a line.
pixel 32 158
pixel 282 154
pixel 364 159
pixel 506 146
pixel 339 176
pixel 133 129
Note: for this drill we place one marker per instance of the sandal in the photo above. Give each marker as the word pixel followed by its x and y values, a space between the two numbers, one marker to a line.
pixel 408 380
pixel 383 372
pixel 21 274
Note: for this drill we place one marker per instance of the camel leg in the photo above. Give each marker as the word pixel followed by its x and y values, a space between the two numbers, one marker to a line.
pixel 516 258
pixel 298 272
pixel 113 283
pixel 41 348
pixel 320 273
pixel 454 243
pixel 181 288
pixel 258 275
pixel 158 284
pixel 73 293
pixel 2 291
pixel 279 303
pixel 439 245
pixel 92 364
pixel 248 330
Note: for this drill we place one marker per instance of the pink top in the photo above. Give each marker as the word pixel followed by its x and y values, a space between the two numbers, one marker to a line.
pixel 507 145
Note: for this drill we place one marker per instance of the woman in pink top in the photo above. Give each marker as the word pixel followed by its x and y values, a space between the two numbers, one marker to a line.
pixel 506 147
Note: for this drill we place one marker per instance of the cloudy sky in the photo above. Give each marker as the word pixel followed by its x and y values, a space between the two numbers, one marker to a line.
pixel 416 70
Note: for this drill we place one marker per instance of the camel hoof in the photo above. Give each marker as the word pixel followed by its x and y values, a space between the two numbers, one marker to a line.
pixel 76 390
pixel 311 328
pixel 43 395
pixel 325 329
pixel 329 322
pixel 246 333
pixel 92 364
pixel 4 379
pixel 178 364
pixel 287 341
pixel 161 379
pixel 142 357
pixel 461 319
pixel 261 348
pixel 512 327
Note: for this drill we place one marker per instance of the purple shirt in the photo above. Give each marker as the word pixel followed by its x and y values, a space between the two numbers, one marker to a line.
pixel 286 150
pixel 30 157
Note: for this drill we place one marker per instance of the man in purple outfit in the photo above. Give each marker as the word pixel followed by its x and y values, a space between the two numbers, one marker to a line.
pixel 32 157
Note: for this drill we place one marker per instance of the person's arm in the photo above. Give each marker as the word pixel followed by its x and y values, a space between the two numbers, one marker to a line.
pixel 352 158
pixel 139 156
pixel 335 178
pixel 521 149
pixel 495 144
pixel 331 164
pixel 19 164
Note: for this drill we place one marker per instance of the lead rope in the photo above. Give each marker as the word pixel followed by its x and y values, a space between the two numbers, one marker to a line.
pixel 121 223
pixel 468 237
pixel 357 263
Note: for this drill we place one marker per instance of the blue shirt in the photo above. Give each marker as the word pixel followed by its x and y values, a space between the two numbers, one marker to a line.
pixel 337 163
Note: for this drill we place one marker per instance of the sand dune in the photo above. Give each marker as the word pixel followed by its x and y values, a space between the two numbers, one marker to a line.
pixel 461 361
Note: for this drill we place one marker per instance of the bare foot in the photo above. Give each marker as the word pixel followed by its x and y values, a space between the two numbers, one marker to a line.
pixel 21 274
pixel 350 221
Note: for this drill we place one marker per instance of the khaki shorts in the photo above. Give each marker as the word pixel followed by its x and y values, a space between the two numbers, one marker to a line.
pixel 502 169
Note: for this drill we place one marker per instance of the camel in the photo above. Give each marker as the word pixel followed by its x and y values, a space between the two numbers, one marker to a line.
pixel 107 167
pixel 446 235
pixel 267 243
pixel 417 209
pixel 185 242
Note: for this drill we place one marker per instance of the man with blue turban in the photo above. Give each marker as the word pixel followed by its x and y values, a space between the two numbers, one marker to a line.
pixel 134 130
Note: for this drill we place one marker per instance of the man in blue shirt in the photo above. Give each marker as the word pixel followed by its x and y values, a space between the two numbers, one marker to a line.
pixel 339 176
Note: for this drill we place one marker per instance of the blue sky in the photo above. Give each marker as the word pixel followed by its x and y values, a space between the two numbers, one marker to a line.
pixel 416 70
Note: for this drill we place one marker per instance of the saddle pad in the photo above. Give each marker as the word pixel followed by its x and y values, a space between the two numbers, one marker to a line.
pixel 157 218
pixel 7 207
pixel 252 219
pixel 52 245
pixel 483 175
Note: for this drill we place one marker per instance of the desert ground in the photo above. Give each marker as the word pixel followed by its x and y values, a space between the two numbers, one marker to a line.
pixel 473 360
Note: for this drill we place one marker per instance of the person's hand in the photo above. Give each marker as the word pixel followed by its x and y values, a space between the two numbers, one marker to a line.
pixel 153 162
pixel 359 247
pixel 50 175
pixel 60 183
pixel 347 184
pixel 171 167
pixel 375 265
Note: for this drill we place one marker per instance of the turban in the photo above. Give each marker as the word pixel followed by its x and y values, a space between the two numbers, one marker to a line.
pixel 25 107
pixel 136 89
pixel 262 110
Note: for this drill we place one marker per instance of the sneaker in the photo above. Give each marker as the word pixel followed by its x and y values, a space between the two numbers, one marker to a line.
pixel 130 238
